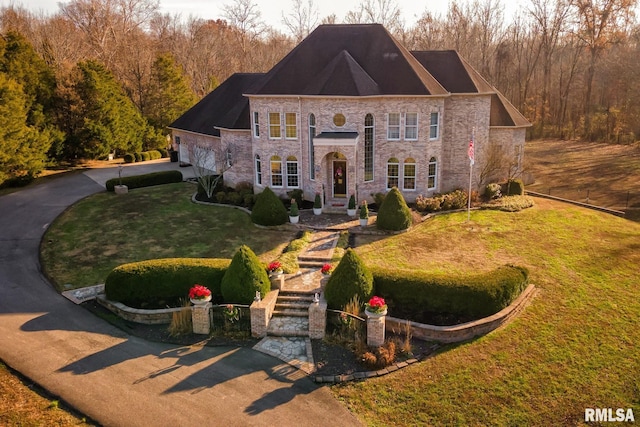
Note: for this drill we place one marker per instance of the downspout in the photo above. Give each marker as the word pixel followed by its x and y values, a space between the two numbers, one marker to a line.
pixel 301 174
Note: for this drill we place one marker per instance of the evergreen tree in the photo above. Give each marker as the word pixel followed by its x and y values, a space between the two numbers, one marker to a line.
pixel 23 148
pixel 170 93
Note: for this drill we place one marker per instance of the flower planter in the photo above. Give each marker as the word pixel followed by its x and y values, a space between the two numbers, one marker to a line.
pixel 364 222
pixel 120 189
pixel 373 315
pixel 200 301
pixel 317 211
pixel 351 212
pixel 294 219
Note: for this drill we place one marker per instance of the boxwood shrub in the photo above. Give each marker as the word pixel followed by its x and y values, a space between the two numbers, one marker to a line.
pixel 473 296
pixel 135 283
pixel 245 276
pixel 350 278
pixel 268 209
pixel 146 180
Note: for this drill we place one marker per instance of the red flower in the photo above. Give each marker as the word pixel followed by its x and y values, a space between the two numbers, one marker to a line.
pixel 326 269
pixel 199 292
pixel 377 302
pixel 275 265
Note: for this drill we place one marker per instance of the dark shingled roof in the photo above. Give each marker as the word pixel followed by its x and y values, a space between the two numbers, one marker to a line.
pixel 225 107
pixel 457 76
pixel 349 60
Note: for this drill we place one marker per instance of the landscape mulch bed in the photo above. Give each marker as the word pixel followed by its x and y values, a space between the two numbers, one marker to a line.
pixel 330 358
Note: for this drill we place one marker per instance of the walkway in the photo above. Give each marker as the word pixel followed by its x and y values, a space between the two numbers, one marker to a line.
pixel 121 380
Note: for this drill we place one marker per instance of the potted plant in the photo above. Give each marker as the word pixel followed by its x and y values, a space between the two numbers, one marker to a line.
pixel 364 214
pixel 351 207
pixel 376 307
pixel 294 214
pixel 317 205
pixel 120 189
pixel 326 269
pixel 274 268
pixel 199 295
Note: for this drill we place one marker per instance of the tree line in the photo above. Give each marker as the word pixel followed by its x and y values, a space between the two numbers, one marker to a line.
pixel 108 76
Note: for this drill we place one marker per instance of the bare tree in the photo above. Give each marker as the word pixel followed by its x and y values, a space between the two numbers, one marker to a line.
pixel 385 12
pixel 302 19
pixel 210 163
pixel 245 17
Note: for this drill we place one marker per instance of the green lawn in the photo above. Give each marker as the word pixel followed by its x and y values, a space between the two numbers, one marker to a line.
pixel 105 230
pixel 576 346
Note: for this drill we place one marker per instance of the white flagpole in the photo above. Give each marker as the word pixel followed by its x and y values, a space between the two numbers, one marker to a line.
pixel 471 153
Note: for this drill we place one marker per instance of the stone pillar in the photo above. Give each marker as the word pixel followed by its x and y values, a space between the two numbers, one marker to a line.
pixel 375 328
pixel 318 319
pixel 277 281
pixel 261 312
pixel 200 318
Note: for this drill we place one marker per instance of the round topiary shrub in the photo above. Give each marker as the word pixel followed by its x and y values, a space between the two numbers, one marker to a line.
pixel 269 209
pixel 394 214
pixel 128 158
pixel 245 276
pixel 350 278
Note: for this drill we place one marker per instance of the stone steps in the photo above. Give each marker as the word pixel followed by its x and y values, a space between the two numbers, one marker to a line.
pixel 288 326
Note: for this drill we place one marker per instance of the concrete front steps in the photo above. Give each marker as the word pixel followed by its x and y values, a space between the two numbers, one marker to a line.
pixel 291 315
pixel 306 261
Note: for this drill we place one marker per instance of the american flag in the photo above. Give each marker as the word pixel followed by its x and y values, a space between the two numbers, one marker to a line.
pixel 470 151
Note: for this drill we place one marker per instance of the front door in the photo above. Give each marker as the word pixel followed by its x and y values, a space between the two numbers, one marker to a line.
pixel 339 178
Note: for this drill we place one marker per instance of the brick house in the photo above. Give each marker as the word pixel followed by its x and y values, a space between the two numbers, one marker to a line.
pixel 351 111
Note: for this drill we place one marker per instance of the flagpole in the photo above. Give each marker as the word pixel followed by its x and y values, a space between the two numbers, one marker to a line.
pixel 469 202
pixel 471 154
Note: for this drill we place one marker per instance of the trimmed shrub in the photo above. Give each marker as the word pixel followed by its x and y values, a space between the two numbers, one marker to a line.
pixel 352 202
pixel 146 180
pixel 492 191
pixel 513 187
pixel 428 204
pixel 137 156
pixel 394 214
pixel 245 276
pixel 472 296
pixel 457 199
pixel 297 195
pixel 317 202
pixel 221 197
pixel 164 153
pixel 364 210
pixel 378 198
pixel 269 209
pixel 155 155
pixel 350 278
pixel 235 198
pixel 129 158
pixel 135 283
pixel 293 211
pixel 145 156
pixel 510 203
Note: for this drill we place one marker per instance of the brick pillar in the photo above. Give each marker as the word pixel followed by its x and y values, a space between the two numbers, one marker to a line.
pixel 375 329
pixel 277 281
pixel 318 319
pixel 200 318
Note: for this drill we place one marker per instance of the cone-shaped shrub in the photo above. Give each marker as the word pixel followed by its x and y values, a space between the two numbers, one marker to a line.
pixel 394 214
pixel 269 209
pixel 245 275
pixel 350 278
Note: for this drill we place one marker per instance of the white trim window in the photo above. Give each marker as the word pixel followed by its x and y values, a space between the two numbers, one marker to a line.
pixel 290 125
pixel 276 172
pixel 275 131
pixel 411 127
pixel 258 170
pixel 293 178
pixel 409 174
pixel 369 146
pixel 256 124
pixel 434 126
pixel 393 126
pixel 432 174
pixel 393 173
pixel 312 157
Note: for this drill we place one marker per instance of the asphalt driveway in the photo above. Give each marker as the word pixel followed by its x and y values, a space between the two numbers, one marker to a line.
pixel 121 380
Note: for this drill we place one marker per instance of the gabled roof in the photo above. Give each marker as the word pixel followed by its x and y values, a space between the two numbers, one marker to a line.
pixel 225 107
pixel 458 76
pixel 352 60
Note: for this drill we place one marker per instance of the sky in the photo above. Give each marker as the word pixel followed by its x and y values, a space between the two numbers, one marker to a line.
pixel 271 10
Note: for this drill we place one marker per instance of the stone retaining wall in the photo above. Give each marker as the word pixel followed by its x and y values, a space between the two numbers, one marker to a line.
pixel 147 317
pixel 464 331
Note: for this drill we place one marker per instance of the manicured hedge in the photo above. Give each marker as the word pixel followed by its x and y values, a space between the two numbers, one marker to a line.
pixel 474 296
pixel 137 282
pixel 146 180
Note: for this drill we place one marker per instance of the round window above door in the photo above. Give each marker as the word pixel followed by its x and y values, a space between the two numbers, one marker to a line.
pixel 339 120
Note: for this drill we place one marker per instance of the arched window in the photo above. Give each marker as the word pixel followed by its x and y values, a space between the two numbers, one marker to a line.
pixel 433 173
pixel 258 170
pixel 312 135
pixel 276 171
pixel 293 181
pixel 393 173
pixel 409 174
pixel 368 147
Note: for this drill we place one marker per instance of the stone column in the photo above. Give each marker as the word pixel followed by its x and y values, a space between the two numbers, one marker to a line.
pixel 318 319
pixel 200 318
pixel 375 328
pixel 277 281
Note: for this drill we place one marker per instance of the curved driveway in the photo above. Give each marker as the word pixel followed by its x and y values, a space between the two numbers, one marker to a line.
pixel 121 380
